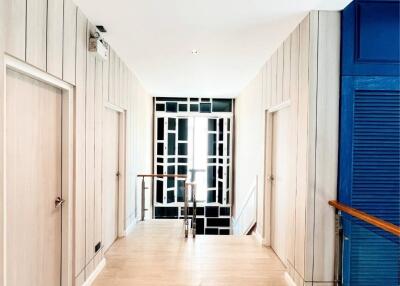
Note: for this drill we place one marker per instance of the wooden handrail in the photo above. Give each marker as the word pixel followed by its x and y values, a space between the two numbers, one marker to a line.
pixel 163 175
pixel 389 227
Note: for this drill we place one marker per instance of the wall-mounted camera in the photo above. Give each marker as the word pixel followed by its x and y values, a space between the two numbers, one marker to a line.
pixel 98 45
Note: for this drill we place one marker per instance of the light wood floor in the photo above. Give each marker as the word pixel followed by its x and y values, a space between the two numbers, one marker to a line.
pixel 156 253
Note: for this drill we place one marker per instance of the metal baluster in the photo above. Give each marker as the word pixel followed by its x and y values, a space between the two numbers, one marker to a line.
pixel 143 197
pixel 194 210
pixel 185 209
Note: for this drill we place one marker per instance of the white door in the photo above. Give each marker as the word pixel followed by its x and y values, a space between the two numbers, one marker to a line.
pixel 110 177
pixel 33 182
pixel 280 181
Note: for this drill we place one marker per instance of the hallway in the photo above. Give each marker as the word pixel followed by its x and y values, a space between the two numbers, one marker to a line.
pixel 155 253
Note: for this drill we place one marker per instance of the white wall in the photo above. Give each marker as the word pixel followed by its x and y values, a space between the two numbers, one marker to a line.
pixel 303 73
pixel 2 47
pixel 58 44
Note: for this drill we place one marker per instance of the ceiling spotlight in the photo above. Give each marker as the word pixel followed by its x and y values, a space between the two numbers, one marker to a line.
pixel 195 52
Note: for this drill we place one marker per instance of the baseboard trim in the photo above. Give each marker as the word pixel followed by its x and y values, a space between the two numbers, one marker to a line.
pixel 95 273
pixel 130 227
pixel 289 280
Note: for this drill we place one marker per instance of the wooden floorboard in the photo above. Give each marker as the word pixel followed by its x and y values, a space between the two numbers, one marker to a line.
pixel 156 253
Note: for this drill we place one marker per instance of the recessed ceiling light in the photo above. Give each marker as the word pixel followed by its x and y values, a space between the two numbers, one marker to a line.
pixel 195 52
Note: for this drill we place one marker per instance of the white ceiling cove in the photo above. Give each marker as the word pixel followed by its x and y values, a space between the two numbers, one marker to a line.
pixel 233 39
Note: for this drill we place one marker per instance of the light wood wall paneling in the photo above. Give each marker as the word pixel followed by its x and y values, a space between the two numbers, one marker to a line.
pixel 36 33
pixel 274 63
pixel 312 137
pixel 98 150
pixel 90 147
pixel 2 104
pixel 106 79
pixel 279 76
pixel 111 83
pixel 69 49
pixel 286 70
pixel 268 84
pixel 327 143
pixel 15 34
pixel 80 160
pixel 117 82
pixel 294 97
pixel 55 14
pixel 124 72
pixel 302 164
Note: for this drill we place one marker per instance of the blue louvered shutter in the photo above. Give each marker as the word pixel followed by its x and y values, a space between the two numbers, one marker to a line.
pixel 370 176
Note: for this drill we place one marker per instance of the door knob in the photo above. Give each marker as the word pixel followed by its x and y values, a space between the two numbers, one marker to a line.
pixel 271 178
pixel 59 202
pixel 118 174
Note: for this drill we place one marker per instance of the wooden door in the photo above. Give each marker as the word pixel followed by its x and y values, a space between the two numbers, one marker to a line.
pixel 33 182
pixel 280 181
pixel 110 177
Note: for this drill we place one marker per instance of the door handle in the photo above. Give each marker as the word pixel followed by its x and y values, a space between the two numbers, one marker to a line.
pixel 271 178
pixel 58 202
pixel 118 174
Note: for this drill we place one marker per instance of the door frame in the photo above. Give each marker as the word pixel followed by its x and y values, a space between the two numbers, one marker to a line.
pixel 11 63
pixel 122 183
pixel 268 161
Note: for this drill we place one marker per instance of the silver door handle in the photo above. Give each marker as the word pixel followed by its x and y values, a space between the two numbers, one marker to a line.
pixel 59 202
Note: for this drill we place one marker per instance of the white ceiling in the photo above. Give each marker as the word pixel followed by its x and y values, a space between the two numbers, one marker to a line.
pixel 234 39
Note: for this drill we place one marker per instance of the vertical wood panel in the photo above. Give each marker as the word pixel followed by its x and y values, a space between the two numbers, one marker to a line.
pixel 279 76
pixel 80 160
pixel 55 11
pixel 286 70
pixel 2 102
pixel 327 143
pixel 90 147
pixel 274 62
pixel 98 151
pixel 294 97
pixel 123 84
pixel 117 82
pixel 268 85
pixel 111 82
pixel 69 48
pixel 302 164
pixel 36 30
pixel 106 79
pixel 15 22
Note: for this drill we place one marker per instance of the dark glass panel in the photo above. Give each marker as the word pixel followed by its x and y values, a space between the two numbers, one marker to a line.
pixel 227 176
pixel 200 226
pixel 171 99
pixel 183 129
pixel 221 129
pixel 160 128
pixel 171 143
pixel 171 170
pixel 182 170
pixel 171 124
pixel 228 150
pixel 182 160
pixel 159 195
pixel 160 148
pixel 170 182
pixel 211 178
pixel 220 173
pixel 224 211
pixel 205 100
pixel 221 222
pixel 160 107
pixel 194 108
pixel 171 160
pixel 212 211
pixel 224 231
pixel 160 160
pixel 227 197
pixel 220 196
pixel 170 197
pixel 210 196
pixel 212 160
pixel 183 107
pixel 166 212
pixel 211 231
pixel 221 149
pixel 171 107
pixel 160 169
pixel 229 125
pixel 212 144
pixel 212 124
pixel 222 105
pixel 205 107
pixel 180 190
pixel 194 99
pixel 182 149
